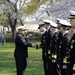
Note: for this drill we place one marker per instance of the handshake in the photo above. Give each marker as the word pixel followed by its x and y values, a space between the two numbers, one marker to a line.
pixel 35 46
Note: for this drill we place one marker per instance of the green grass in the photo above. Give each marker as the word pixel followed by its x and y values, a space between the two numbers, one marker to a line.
pixel 7 62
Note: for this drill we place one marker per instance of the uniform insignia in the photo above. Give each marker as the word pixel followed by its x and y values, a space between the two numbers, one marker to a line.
pixel 54 56
pixel 74 67
pixel 64 60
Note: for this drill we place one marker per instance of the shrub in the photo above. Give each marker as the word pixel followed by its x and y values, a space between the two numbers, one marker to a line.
pixel 33 36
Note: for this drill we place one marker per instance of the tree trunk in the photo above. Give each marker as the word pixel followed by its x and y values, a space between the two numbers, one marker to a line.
pixel 13 28
pixel 13 31
pixel 12 23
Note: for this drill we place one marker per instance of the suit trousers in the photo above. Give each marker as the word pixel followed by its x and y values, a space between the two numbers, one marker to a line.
pixel 21 64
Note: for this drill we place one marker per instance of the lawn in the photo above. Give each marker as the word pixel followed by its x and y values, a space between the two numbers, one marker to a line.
pixel 7 62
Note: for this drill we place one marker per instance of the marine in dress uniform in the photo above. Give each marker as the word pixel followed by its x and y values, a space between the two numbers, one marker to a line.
pixel 63 46
pixel 21 51
pixel 71 55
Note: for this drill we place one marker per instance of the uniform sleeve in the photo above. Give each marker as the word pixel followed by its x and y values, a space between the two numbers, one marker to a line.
pixel 23 41
pixel 65 49
pixel 65 46
pixel 42 45
pixel 54 47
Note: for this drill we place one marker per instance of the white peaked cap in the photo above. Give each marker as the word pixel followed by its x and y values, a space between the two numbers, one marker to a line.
pixel 72 15
pixel 72 12
pixel 47 20
pixel 21 27
pixel 65 23
pixel 53 24
pixel 58 19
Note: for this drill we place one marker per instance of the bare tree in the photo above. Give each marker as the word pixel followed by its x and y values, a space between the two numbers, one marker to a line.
pixel 13 9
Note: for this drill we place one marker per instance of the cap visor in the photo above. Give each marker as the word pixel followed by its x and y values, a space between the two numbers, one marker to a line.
pixel 71 17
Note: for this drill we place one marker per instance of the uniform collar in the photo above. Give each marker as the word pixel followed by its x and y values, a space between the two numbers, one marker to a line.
pixel 65 33
pixel 55 31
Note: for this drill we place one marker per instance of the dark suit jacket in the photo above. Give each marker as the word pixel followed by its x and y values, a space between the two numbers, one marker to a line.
pixel 21 46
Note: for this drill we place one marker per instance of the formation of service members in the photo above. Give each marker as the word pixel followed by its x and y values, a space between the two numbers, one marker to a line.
pixel 58 46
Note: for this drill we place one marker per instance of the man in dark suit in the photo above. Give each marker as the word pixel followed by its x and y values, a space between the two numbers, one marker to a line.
pixel 21 50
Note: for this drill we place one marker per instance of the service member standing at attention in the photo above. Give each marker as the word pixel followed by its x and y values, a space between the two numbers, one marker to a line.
pixel 64 44
pixel 45 44
pixel 48 41
pixel 48 35
pixel 53 47
pixel 71 45
pixel 58 42
pixel 21 50
pixel 42 45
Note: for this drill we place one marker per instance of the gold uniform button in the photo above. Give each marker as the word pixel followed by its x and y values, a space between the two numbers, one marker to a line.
pixel 59 46
pixel 49 52
pixel 71 47
pixel 69 50
pixel 44 40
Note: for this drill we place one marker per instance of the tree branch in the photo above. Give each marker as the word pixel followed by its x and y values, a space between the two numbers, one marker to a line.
pixel 22 4
pixel 16 1
pixel 21 22
pixel 47 13
pixel 9 19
